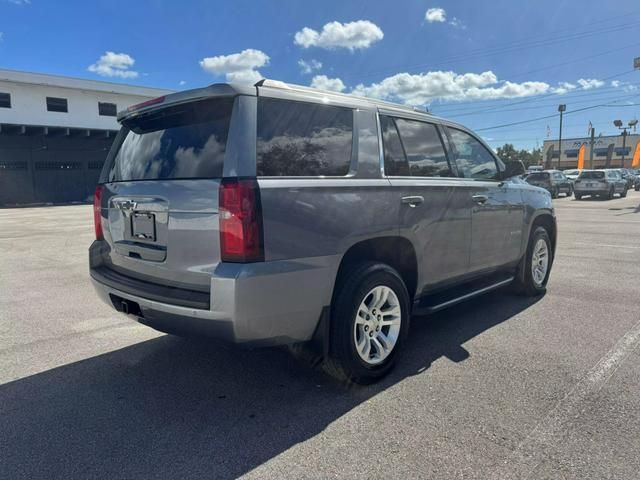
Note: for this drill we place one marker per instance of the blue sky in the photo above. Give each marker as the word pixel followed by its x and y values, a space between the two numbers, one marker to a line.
pixel 483 64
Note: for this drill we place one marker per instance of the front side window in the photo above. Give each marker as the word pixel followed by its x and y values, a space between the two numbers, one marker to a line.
pixel 422 154
pixel 472 158
pixel 297 139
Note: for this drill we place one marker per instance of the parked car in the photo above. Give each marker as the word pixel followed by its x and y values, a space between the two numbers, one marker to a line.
pixel 554 181
pixel 572 175
pixel 628 176
pixel 275 214
pixel 603 183
pixel 636 183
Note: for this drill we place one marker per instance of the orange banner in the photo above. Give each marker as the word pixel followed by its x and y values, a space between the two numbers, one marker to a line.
pixel 581 152
pixel 636 158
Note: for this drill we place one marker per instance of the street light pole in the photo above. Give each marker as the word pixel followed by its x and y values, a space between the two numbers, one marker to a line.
pixel 631 124
pixel 561 108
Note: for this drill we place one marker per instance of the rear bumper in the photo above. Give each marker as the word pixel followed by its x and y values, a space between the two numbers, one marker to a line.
pixel 268 303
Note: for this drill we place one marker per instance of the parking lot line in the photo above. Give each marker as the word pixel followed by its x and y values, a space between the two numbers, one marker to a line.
pixel 544 437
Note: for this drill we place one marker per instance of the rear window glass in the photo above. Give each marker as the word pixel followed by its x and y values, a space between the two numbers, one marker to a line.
pixel 595 175
pixel 538 176
pixel 425 155
pixel 178 142
pixel 303 139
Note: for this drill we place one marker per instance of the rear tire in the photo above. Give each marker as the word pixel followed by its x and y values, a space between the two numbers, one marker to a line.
pixel 578 196
pixel 530 282
pixel 637 187
pixel 359 336
pixel 611 193
pixel 555 192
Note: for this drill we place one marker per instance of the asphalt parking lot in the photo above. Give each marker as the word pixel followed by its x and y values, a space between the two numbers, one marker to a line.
pixel 500 387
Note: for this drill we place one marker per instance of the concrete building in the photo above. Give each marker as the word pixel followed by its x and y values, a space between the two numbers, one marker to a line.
pixel 607 152
pixel 55 133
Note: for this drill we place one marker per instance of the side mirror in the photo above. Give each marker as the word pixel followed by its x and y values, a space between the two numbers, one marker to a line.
pixel 513 168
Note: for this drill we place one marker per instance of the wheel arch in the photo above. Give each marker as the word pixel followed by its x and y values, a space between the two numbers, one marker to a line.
pixel 396 251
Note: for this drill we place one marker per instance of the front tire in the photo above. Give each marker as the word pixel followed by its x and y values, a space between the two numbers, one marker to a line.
pixel 369 323
pixel 578 196
pixel 533 274
pixel 624 193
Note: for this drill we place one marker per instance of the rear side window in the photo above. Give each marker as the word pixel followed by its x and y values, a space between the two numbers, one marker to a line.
pixel 178 142
pixel 538 176
pixel 472 158
pixel 421 153
pixel 303 139
pixel 592 175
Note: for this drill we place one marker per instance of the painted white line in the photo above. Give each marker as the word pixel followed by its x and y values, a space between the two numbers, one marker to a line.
pixel 551 430
pixel 606 245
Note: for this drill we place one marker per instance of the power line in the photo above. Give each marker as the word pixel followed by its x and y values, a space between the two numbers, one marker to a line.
pixel 513 46
pixel 547 95
pixel 545 117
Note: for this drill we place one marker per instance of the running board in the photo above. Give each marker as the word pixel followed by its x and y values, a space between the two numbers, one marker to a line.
pixel 440 302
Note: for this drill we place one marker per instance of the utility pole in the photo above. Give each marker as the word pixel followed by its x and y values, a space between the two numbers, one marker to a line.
pixel 561 108
pixel 593 144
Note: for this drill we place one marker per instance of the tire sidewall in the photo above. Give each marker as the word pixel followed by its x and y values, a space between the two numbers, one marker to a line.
pixel 536 235
pixel 347 301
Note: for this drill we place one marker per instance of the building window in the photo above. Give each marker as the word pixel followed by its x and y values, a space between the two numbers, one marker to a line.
pixel 57 104
pixel 107 109
pixel 5 100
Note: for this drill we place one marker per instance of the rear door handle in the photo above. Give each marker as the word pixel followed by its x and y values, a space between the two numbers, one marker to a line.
pixel 412 201
pixel 480 199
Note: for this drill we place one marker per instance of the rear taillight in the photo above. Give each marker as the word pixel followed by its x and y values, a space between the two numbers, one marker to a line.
pixel 240 211
pixel 97 212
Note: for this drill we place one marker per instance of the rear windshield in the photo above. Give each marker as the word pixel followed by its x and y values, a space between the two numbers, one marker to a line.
pixel 595 175
pixel 178 142
pixel 538 176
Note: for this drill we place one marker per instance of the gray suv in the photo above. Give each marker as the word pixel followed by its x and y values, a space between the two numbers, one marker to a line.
pixel 275 214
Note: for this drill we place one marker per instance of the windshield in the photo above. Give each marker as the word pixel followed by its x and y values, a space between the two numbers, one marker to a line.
pixel 592 175
pixel 182 141
pixel 572 172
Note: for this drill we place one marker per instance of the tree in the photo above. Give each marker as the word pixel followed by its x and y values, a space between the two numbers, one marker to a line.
pixel 509 153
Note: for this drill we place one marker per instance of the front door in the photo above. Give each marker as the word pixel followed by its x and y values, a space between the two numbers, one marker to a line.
pixel 434 213
pixel 497 208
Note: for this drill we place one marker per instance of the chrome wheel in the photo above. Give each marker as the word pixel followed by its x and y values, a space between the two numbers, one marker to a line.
pixel 377 326
pixel 540 262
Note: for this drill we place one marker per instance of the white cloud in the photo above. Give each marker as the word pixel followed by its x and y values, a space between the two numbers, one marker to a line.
pixel 352 35
pixel 616 83
pixel 325 83
pixel 435 15
pixel 564 87
pixel 20 2
pixel 457 23
pixel 419 89
pixel 182 82
pixel 588 83
pixel 310 66
pixel 114 65
pixel 238 67
pixel 1 36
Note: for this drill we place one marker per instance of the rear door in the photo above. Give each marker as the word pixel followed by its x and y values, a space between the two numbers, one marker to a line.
pixel 497 208
pixel 160 190
pixel 434 211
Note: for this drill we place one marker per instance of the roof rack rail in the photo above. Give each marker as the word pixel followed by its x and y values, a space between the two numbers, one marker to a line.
pixel 265 82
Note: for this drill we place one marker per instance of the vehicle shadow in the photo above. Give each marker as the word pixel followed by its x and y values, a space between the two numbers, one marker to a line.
pixel 176 408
